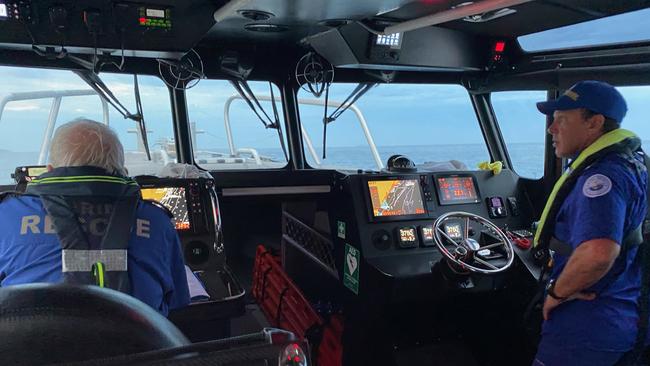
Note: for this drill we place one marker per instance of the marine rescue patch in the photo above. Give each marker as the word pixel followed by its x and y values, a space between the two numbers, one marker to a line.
pixel 597 185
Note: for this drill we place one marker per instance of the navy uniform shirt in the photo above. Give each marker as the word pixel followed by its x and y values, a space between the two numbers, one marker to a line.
pixel 30 252
pixel 608 201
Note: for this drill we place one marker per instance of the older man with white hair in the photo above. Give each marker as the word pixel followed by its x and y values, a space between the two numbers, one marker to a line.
pixel 84 222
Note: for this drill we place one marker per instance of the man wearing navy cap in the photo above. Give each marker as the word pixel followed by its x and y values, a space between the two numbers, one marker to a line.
pixel 592 223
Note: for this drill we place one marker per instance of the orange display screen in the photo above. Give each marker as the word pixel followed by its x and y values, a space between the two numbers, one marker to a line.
pixel 396 197
pixel 174 199
pixel 456 189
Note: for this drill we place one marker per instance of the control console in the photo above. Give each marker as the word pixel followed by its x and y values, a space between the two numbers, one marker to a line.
pixel 395 213
pixel 194 206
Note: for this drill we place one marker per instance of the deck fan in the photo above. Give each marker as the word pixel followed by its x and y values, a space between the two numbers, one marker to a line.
pixel 314 73
pixel 183 73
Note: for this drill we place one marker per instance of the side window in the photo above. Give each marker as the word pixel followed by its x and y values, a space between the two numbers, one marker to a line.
pixel 523 128
pixel 638 109
pixel 227 134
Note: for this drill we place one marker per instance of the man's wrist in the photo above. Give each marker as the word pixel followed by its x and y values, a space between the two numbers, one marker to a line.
pixel 550 290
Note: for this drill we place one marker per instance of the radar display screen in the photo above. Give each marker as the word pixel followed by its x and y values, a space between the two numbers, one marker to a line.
pixel 174 199
pixel 456 189
pixel 396 197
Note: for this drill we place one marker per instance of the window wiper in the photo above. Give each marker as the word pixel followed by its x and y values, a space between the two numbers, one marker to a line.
pixel 357 93
pixel 247 94
pixel 95 82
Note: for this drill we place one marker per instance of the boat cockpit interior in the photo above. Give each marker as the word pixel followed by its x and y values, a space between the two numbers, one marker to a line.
pixel 352 182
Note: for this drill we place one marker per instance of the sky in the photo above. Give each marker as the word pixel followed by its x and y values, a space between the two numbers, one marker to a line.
pixel 396 115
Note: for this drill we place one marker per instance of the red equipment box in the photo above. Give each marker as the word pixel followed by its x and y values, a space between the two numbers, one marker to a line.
pixel 285 307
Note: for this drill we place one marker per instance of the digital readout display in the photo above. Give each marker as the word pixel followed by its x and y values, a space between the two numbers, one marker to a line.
pixel 456 189
pixel 427 234
pixel 396 197
pixel 155 13
pixel 454 230
pixel 3 10
pixel 392 40
pixel 407 235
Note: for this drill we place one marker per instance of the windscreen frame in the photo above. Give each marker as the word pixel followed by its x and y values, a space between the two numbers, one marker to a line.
pixel 369 206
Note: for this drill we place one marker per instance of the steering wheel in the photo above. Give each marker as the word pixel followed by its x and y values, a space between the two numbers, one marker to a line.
pixel 467 253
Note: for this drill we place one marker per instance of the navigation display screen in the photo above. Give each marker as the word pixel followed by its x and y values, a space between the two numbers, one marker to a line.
pixel 456 189
pixel 396 197
pixel 174 199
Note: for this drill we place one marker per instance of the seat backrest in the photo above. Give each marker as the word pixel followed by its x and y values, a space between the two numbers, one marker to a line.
pixel 56 323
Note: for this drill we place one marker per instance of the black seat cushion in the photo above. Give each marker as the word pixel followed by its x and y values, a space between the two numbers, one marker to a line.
pixel 53 323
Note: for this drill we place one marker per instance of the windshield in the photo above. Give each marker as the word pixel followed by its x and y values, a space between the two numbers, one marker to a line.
pixel 433 125
pixel 227 134
pixel 36 101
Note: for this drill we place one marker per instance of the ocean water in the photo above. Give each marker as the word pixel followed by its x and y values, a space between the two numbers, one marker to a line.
pixel 527 158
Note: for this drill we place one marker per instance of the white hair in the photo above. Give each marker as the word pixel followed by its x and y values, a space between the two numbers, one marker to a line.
pixel 84 142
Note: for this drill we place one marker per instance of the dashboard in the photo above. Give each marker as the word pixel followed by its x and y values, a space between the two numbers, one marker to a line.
pixel 389 217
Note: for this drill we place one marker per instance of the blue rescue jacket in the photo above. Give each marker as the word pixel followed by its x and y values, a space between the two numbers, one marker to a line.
pixel 30 250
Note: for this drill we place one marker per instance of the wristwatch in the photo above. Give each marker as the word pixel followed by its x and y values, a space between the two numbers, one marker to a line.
pixel 550 290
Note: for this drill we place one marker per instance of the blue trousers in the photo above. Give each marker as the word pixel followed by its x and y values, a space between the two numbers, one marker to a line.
pixel 551 354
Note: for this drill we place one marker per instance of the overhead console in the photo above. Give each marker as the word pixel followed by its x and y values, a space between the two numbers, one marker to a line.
pixel 426 49
pixel 169 26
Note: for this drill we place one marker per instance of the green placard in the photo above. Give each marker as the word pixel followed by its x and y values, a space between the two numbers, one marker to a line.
pixel 351 268
pixel 340 226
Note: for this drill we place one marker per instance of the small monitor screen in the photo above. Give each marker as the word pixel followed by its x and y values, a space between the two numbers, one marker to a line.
pixel 454 231
pixel 3 10
pixel 35 171
pixel 456 189
pixel 427 234
pixel 407 235
pixel 396 197
pixel 392 40
pixel 174 199
pixel 155 13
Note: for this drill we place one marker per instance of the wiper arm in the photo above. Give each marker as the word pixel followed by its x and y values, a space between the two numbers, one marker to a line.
pixel 247 94
pixel 139 113
pixel 95 82
pixel 357 93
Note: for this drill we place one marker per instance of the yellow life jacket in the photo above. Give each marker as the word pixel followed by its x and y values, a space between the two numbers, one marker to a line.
pixel 618 140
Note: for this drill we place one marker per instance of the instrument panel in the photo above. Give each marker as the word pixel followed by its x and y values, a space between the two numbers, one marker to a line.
pixel 394 214
pixel 194 206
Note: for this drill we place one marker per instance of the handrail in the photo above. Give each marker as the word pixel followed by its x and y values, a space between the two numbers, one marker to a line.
pixel 307 139
pixel 253 152
pixel 56 96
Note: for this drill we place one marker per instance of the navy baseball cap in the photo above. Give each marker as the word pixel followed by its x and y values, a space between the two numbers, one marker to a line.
pixel 597 96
